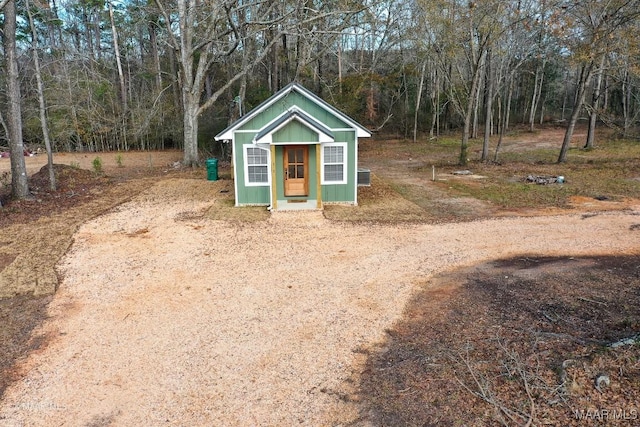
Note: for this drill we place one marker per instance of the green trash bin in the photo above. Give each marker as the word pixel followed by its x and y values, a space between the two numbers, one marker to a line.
pixel 212 169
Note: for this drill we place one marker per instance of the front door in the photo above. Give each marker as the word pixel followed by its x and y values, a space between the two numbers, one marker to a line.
pixel 296 165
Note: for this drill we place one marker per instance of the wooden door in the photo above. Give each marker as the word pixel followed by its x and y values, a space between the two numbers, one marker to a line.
pixel 296 170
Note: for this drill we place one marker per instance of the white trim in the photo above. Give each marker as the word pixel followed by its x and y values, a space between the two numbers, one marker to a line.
pixel 345 163
pixel 258 130
pixel 268 138
pixel 246 165
pixel 359 129
pixel 234 165
pixel 355 165
pixel 293 143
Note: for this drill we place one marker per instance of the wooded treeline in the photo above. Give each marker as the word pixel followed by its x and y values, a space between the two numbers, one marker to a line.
pixel 154 74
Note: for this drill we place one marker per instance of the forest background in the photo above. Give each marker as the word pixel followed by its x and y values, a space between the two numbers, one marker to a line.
pixel 91 75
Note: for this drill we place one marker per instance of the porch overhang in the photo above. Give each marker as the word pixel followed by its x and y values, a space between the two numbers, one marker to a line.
pixel 265 135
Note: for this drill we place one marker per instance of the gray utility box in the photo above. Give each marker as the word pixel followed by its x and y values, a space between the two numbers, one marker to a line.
pixel 364 177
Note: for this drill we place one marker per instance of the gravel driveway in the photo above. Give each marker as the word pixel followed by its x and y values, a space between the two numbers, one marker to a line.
pixel 165 317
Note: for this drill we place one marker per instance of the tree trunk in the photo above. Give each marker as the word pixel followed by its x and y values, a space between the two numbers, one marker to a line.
pixel 537 92
pixel 500 137
pixel 123 86
pixel 4 125
pixel 435 103
pixel 476 107
pixel 340 64
pixel 176 82
pixel 626 101
pixel 97 32
pixel 418 98
pixel 41 101
pixel 542 104
pixel 153 42
pixel 471 103
pixel 242 94
pixel 55 31
pixel 448 89
pixel 583 80
pixel 19 184
pixel 505 120
pixel 565 95
pixel 88 36
pixel 191 106
pixel 488 106
pixel 593 115
pixel 190 92
pixel 507 109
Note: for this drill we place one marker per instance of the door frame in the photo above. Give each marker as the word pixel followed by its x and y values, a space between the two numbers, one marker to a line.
pixel 305 159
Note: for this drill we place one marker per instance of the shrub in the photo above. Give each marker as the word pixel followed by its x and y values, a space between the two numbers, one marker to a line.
pixel 97 165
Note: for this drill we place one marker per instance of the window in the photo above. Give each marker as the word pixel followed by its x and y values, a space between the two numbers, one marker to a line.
pixel 334 163
pixel 256 166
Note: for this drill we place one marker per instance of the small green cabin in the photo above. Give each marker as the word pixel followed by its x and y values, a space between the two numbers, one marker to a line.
pixel 294 151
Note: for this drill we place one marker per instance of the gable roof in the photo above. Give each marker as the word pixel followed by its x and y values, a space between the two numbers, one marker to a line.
pixel 227 134
pixel 294 113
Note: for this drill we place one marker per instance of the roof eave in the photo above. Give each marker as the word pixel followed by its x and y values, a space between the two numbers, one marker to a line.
pixel 227 134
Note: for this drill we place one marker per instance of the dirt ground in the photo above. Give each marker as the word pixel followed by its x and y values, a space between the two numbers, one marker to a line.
pixel 544 330
pixel 166 314
pixel 124 164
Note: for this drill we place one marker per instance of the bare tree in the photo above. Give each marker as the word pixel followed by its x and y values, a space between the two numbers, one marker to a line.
pixel 593 113
pixel 121 79
pixel 41 102
pixel 594 23
pixel 488 107
pixel 19 184
pixel 209 35
pixel 462 36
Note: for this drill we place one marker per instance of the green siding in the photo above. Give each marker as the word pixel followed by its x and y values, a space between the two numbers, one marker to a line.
pixel 288 101
pixel 255 196
pixel 295 131
pixel 247 195
pixel 338 193
pixel 344 192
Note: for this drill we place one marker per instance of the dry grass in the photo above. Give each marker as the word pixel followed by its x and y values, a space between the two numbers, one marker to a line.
pixel 611 171
pixel 37 246
pixel 224 209
pixel 379 203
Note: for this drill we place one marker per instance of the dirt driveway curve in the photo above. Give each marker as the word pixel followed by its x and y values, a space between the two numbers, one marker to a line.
pixel 165 317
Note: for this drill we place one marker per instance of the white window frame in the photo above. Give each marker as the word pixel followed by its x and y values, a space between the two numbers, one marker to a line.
pixel 344 163
pixel 245 155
